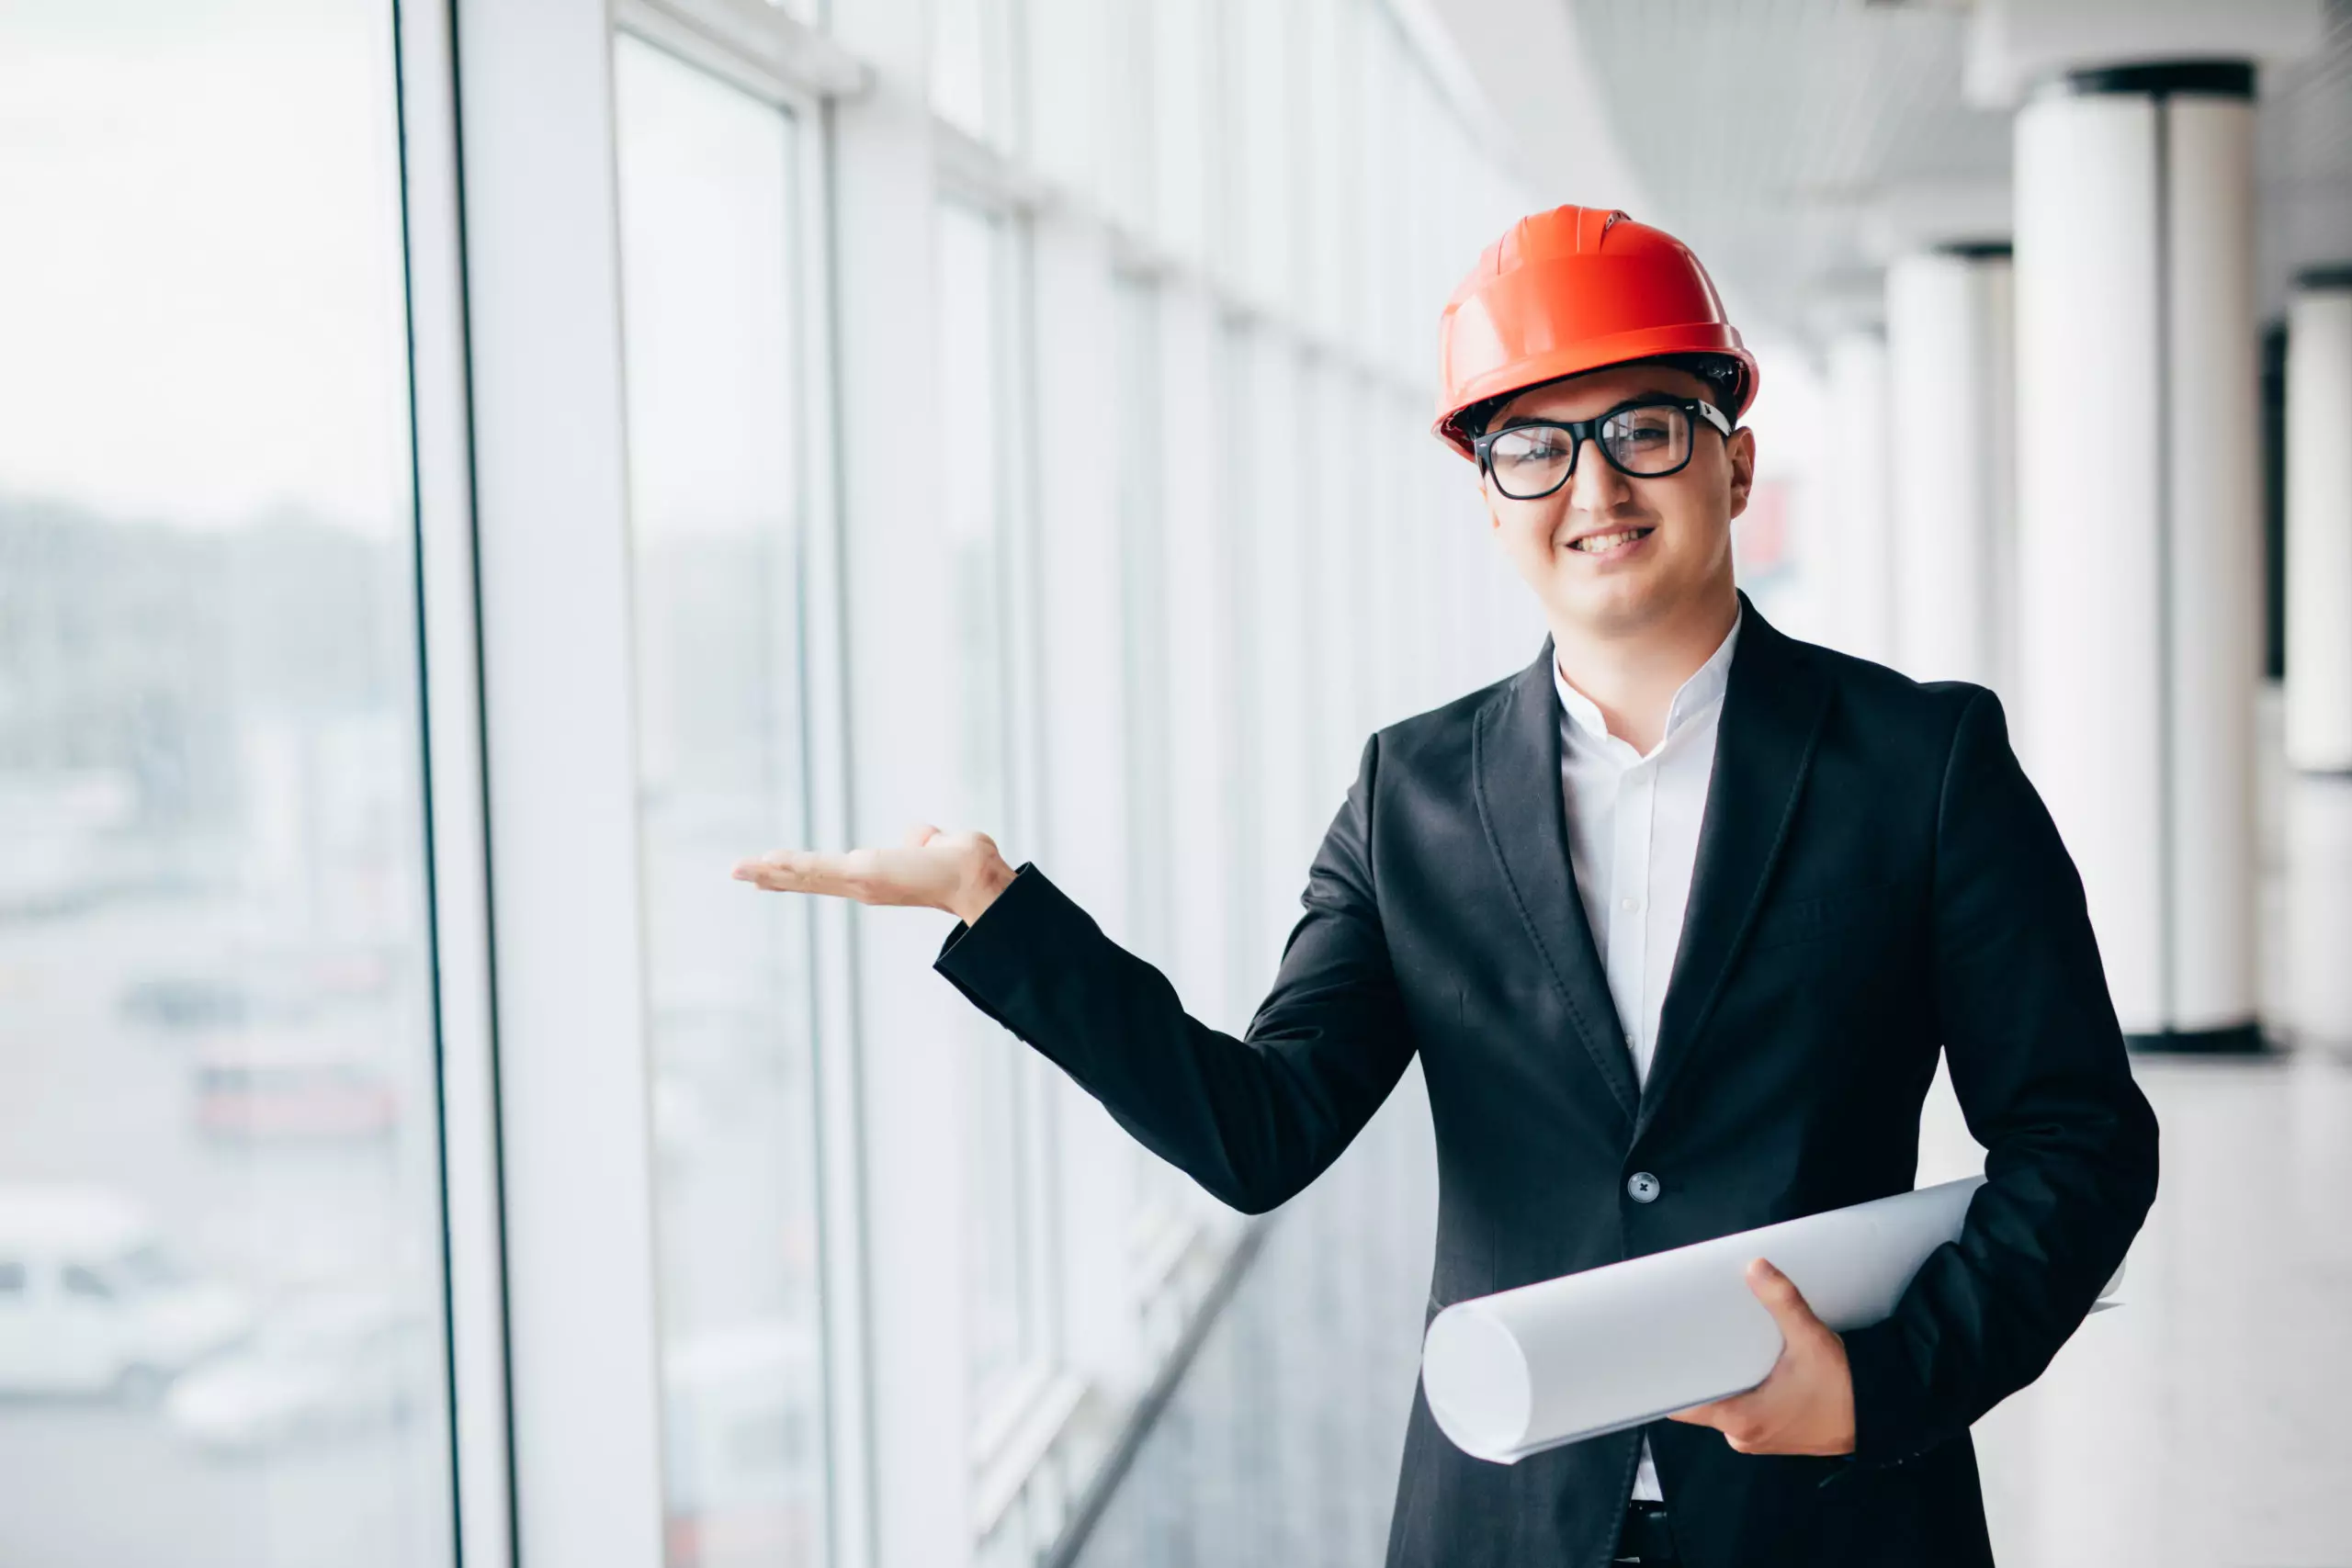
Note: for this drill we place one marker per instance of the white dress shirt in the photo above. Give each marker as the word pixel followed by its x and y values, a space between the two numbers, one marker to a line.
pixel 1633 841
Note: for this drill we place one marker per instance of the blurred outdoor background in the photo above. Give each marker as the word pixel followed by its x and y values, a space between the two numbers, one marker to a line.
pixel 470 472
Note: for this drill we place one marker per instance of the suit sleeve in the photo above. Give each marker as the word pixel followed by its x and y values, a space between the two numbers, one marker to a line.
pixel 2038 1064
pixel 1253 1120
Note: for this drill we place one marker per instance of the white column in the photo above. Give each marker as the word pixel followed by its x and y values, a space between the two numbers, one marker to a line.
pixel 2319 522
pixel 1858 566
pixel 2213 520
pixel 2319 906
pixel 1951 379
pixel 2138 532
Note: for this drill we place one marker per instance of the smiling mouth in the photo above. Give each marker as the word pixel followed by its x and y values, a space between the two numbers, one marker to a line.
pixel 1602 544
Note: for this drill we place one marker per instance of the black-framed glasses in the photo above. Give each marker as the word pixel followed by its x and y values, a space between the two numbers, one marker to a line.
pixel 1647 439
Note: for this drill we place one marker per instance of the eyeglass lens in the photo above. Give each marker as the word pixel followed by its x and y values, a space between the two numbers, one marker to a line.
pixel 1534 460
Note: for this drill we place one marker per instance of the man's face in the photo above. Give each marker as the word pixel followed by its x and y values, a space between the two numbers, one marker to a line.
pixel 1681 548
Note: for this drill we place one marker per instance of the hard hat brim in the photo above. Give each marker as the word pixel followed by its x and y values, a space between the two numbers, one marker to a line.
pixel 1597 354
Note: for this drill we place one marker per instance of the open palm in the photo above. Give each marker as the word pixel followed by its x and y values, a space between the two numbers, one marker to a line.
pixel 961 873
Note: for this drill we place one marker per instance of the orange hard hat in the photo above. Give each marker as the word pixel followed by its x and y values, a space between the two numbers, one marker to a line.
pixel 1570 290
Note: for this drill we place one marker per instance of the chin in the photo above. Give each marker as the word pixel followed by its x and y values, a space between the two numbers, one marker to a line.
pixel 1612 606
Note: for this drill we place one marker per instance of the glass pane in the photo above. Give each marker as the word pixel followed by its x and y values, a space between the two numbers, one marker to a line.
pixel 1126 173
pixel 1179 133
pixel 969 432
pixel 966 53
pixel 709 284
pixel 1161 1196
pixel 1143 572
pixel 1269 92
pixel 222 1341
pixel 974 436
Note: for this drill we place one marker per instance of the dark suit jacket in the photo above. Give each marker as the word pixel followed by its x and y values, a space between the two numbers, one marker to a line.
pixel 1875 879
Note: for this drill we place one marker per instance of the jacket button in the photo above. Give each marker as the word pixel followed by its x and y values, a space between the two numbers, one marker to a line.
pixel 1643 1187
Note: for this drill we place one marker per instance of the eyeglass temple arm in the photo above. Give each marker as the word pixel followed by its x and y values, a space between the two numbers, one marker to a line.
pixel 1584 430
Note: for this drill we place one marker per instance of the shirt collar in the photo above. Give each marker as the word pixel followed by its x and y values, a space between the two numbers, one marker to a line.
pixel 1707 686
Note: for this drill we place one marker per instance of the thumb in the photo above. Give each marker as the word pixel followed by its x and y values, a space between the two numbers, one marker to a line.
pixel 1783 1301
pixel 919 834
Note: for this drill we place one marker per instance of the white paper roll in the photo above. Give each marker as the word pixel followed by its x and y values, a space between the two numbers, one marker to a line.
pixel 1514 1373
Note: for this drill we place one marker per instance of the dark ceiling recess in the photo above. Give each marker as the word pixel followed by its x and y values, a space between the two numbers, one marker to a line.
pixel 2274 499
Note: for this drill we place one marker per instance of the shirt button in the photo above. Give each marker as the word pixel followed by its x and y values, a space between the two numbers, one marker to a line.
pixel 1629 905
pixel 1642 1187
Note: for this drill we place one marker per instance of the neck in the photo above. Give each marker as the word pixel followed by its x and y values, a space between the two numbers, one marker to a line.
pixel 1632 673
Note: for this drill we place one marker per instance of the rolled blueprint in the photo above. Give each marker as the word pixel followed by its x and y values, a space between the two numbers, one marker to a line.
pixel 1517 1372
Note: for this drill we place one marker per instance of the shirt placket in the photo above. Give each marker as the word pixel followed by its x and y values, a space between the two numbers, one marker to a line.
pixel 1629 886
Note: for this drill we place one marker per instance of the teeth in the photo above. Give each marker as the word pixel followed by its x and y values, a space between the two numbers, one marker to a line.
pixel 1608 541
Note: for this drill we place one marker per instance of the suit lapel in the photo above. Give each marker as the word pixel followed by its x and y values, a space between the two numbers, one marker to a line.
pixel 1774 706
pixel 1515 766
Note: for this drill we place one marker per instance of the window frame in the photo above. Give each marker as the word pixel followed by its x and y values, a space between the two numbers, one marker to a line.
pixel 1012 1434
pixel 777 59
pixel 781 60
pixel 538 86
pixel 516 397
pixel 474 1278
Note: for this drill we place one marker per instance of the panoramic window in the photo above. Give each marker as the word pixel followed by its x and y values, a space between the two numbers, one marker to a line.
pixel 1003 1258
pixel 968 65
pixel 217 1102
pixel 710 281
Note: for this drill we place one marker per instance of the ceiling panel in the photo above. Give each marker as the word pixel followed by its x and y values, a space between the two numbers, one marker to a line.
pixel 1794 143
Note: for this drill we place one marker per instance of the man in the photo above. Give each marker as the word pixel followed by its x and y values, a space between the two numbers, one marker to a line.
pixel 1677 918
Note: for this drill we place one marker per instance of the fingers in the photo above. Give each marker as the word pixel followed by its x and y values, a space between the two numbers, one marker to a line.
pixel 1803 1405
pixel 906 874
pixel 806 871
pixel 784 871
pixel 927 868
pixel 1783 1301
pixel 1746 1420
pixel 1737 1412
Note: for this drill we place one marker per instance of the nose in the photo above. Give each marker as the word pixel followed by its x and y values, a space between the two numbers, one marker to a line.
pixel 1595 486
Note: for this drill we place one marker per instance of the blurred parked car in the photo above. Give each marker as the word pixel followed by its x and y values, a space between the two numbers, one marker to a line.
pixel 321 1366
pixel 188 1001
pixel 292 1086
pixel 261 988
pixel 91 1300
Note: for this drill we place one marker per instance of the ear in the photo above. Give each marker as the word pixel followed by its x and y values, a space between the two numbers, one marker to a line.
pixel 1741 450
pixel 1494 522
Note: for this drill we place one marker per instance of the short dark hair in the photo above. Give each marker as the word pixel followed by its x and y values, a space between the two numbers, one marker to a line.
pixel 1720 372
